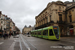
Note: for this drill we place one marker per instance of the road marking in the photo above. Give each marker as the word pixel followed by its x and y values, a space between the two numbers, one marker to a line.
pixel 15 40
pixel 20 44
pixel 25 43
pixel 31 44
pixel 1 43
pixel 12 46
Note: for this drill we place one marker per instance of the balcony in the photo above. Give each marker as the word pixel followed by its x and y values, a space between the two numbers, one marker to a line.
pixel 42 26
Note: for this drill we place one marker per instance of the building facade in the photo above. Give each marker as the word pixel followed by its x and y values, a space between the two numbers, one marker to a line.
pixel 57 14
pixel 70 11
pixel 7 25
pixel 26 29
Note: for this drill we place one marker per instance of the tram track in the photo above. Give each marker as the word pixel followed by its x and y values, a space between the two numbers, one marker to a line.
pixel 27 44
pixel 30 43
pixel 20 43
pixel 38 45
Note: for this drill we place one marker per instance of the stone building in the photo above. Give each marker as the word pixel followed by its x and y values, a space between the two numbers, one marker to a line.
pixel 17 30
pixel 57 14
pixel 6 24
pixel 70 15
pixel 26 29
pixel 12 25
pixel 33 28
pixel 2 21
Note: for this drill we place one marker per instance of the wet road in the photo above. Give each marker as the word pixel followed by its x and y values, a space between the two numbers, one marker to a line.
pixel 34 43
pixel 43 44
pixel 9 44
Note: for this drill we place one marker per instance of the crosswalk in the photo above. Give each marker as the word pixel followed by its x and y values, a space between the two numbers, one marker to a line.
pixel 1 43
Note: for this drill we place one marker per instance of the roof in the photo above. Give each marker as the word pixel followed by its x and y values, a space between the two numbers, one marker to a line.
pixel 70 7
pixel 49 4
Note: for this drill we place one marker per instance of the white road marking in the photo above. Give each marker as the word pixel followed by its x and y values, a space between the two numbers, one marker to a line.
pixel 20 44
pixel 25 43
pixel 1 43
pixel 15 40
pixel 12 46
pixel 31 44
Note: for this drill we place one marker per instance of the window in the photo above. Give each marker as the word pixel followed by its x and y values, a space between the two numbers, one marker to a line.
pixel 46 20
pixel 51 32
pixel 56 31
pixel 59 8
pixel 70 18
pixel 45 32
pixel 50 17
pixel 1 21
pixel 39 33
pixel 72 10
pixel 35 33
pixel 31 32
pixel 56 9
pixel 7 21
pixel 60 17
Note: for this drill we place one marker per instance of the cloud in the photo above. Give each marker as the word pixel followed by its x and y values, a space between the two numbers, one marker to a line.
pixel 23 12
pixel 29 21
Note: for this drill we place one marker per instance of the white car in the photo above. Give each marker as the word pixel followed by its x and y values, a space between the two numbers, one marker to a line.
pixel 16 36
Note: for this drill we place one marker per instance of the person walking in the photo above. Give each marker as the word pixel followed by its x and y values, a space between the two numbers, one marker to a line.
pixel 4 35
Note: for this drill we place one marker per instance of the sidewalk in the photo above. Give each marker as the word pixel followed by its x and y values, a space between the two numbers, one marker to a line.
pixel 68 39
pixel 1 38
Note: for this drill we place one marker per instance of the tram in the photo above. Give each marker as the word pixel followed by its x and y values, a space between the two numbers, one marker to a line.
pixel 51 32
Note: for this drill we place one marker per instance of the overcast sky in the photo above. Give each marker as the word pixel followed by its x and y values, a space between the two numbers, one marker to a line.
pixel 23 12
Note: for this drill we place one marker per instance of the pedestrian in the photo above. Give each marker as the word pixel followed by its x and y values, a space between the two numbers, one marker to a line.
pixel 9 35
pixel 5 35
